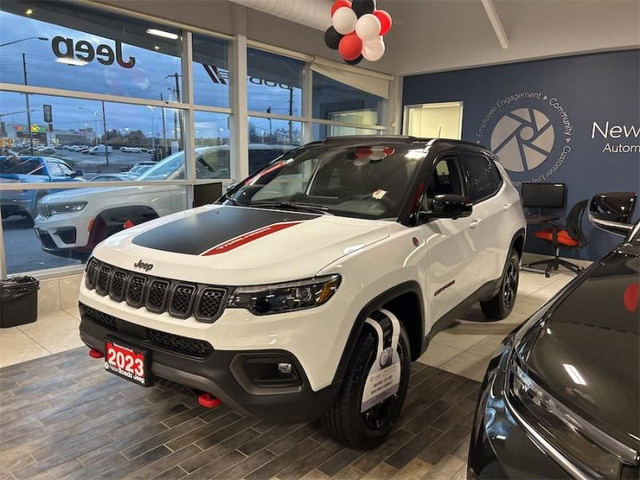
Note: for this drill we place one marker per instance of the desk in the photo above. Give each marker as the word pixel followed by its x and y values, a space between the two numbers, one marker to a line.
pixel 537 219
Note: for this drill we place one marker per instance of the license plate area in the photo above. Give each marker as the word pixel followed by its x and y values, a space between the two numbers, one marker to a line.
pixel 127 361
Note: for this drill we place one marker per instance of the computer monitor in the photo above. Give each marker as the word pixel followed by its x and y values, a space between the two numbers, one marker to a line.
pixel 543 195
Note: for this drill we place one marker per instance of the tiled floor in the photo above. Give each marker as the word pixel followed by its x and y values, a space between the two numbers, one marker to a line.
pixel 62 416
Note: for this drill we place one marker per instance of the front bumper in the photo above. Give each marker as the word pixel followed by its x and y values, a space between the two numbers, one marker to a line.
pixel 223 373
pixel 501 447
pixel 54 234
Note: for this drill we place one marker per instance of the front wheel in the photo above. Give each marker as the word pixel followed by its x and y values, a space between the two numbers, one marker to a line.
pixel 344 422
pixel 500 306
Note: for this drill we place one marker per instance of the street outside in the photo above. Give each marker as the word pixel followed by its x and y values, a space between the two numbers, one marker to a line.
pixel 22 248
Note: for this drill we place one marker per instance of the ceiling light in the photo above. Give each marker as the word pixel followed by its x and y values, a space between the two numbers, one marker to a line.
pixel 72 61
pixel 162 33
pixel 29 11
pixel 156 47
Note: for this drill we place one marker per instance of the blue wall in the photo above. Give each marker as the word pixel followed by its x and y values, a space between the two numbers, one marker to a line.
pixel 547 121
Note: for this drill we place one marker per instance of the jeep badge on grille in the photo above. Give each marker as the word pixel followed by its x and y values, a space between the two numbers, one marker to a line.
pixel 143 266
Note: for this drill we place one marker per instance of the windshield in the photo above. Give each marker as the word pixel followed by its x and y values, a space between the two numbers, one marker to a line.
pixel 21 166
pixel 362 182
pixel 166 168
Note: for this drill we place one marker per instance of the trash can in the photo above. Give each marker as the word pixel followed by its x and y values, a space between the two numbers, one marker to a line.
pixel 18 301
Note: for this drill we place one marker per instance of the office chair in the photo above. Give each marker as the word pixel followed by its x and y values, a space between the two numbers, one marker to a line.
pixel 565 236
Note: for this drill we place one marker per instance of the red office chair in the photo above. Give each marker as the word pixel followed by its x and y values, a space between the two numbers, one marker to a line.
pixel 569 236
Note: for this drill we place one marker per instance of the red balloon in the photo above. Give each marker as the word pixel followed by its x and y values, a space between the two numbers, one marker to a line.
pixel 339 4
pixel 385 21
pixel 363 152
pixel 350 47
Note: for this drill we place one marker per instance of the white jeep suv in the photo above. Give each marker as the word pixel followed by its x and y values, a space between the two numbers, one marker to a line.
pixel 309 288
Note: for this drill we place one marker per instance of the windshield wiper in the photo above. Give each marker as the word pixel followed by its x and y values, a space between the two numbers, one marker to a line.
pixel 302 207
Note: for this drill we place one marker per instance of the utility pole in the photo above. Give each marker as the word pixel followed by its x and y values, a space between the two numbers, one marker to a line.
pixel 26 96
pixel 104 127
pixel 175 113
pixel 164 129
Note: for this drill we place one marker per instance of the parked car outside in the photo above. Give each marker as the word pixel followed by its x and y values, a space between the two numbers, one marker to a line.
pixel 100 149
pixel 111 177
pixel 26 170
pixel 561 397
pixel 99 213
pixel 309 288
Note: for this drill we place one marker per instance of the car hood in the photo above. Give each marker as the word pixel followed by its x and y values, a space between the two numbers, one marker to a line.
pixel 587 354
pixel 100 194
pixel 228 245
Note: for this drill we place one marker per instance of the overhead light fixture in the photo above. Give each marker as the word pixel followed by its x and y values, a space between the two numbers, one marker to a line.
pixel 29 11
pixel 162 33
pixel 72 61
pixel 156 47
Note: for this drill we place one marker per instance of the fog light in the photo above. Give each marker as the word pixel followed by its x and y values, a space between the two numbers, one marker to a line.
pixel 284 367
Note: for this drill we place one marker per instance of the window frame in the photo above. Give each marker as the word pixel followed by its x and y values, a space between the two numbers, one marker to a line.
pixel 466 172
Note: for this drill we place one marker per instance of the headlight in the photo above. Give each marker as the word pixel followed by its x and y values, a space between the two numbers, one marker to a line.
pixel 66 207
pixel 580 447
pixel 285 297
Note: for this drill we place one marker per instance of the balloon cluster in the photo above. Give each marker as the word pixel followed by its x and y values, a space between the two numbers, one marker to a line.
pixel 357 30
pixel 365 155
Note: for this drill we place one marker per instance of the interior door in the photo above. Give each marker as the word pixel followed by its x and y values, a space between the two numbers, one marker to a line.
pixel 434 120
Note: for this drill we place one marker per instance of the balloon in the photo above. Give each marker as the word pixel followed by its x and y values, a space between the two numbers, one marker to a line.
pixel 350 47
pixel 339 4
pixel 332 38
pixel 363 152
pixel 354 62
pixel 368 27
pixel 373 50
pixel 344 20
pixel 377 155
pixel 359 162
pixel 385 21
pixel 362 7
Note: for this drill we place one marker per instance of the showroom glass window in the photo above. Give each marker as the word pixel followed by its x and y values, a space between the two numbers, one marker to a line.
pixel 274 83
pixel 63 46
pixel 210 71
pixel 347 110
pixel 274 87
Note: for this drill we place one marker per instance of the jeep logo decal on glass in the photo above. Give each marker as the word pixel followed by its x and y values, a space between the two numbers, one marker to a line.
pixel 85 52
pixel 143 266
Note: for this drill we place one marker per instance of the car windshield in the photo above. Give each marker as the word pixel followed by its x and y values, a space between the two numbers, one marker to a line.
pixel 362 182
pixel 165 169
pixel 21 166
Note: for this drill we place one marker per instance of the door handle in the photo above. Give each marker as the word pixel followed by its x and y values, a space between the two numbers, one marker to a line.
pixel 475 223
pixel 506 206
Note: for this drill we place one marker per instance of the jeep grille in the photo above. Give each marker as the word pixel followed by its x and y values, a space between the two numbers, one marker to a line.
pixel 158 295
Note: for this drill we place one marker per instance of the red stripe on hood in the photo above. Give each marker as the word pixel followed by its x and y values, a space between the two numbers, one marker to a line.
pixel 248 237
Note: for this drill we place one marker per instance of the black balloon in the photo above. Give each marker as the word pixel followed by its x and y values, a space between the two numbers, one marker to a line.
pixel 362 7
pixel 332 38
pixel 354 62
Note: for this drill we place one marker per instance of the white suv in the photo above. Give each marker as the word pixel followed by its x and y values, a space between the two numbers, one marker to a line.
pixel 312 285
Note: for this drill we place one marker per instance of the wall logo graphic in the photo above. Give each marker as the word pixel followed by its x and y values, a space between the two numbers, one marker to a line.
pixel 528 131
pixel 524 138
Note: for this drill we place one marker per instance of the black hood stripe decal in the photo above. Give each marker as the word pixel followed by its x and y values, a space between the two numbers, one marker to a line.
pixel 214 229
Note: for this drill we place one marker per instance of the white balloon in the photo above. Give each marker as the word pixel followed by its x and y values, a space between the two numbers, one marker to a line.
pixel 344 20
pixel 368 27
pixel 373 50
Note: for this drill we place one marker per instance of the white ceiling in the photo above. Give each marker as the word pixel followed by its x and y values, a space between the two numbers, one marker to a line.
pixel 437 35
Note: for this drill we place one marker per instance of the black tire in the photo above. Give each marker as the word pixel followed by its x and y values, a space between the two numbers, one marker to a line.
pixel 500 306
pixel 343 421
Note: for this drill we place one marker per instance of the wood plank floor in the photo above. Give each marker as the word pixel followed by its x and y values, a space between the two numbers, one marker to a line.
pixel 63 416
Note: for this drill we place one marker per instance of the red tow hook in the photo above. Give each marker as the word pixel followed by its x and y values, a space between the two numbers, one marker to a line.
pixel 93 353
pixel 207 400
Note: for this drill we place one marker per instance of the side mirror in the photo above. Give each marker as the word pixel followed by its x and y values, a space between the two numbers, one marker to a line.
pixel 230 187
pixel 612 211
pixel 447 206
pixel 78 173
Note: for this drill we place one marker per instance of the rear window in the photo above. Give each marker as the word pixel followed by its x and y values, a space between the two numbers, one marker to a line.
pixel 21 166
